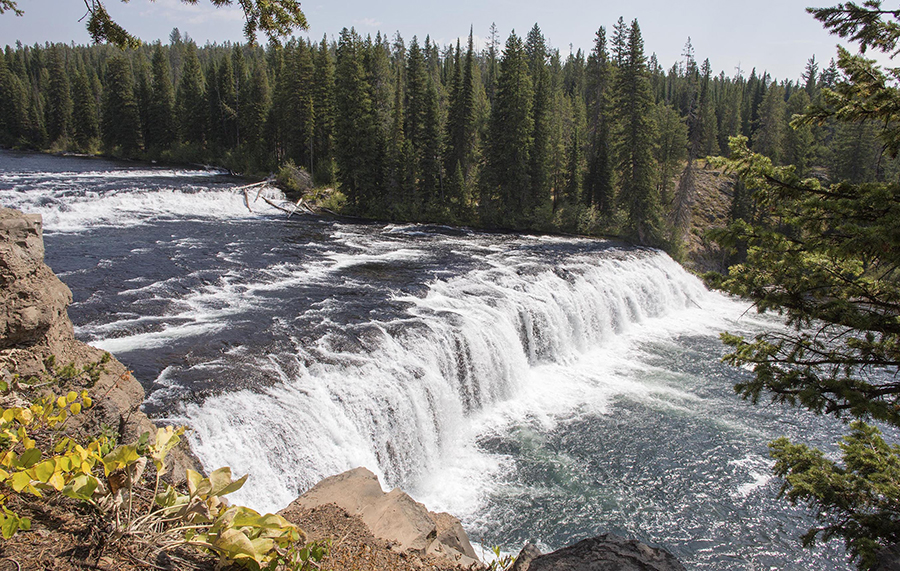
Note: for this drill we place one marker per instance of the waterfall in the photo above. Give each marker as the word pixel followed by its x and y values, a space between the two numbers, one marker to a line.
pixel 401 396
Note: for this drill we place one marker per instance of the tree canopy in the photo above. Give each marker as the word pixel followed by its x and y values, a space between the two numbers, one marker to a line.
pixel 826 255
pixel 276 18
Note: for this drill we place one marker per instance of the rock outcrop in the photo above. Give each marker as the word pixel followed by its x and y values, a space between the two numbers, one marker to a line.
pixel 34 299
pixel 391 516
pixel 34 325
pixel 606 553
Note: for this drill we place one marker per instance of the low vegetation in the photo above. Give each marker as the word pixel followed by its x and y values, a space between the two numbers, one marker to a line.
pixel 40 459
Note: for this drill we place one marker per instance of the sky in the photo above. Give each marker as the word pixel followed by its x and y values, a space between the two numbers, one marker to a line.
pixel 777 36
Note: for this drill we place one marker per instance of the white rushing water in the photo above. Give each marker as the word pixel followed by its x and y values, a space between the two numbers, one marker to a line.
pixel 542 388
pixel 515 340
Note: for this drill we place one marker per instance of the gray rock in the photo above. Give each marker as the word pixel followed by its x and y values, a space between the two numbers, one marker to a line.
pixel 607 553
pixel 34 300
pixel 523 560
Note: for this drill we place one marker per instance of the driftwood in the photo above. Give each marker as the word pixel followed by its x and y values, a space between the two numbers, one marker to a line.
pixel 254 185
pixel 278 206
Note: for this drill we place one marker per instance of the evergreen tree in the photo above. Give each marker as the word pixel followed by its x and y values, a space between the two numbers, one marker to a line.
pixel 798 141
pixel 59 98
pixel 598 183
pixel 620 42
pixel 85 124
pixel 161 129
pixel 120 124
pixel 13 105
pixel 191 102
pixel 356 131
pixel 636 139
pixel 461 121
pixel 768 138
pixel 143 92
pixel 709 132
pixel 323 104
pixel 538 197
pixel 507 181
pixel 671 148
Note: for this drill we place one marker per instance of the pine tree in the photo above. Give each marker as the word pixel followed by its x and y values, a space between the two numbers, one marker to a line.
pixel 798 141
pixel 768 138
pixel 323 104
pixel 85 124
pixel 59 99
pixel 161 130
pixel 636 139
pixel 190 101
pixel 507 181
pixel 538 198
pixel 357 135
pixel 671 148
pixel 143 92
pixel 121 127
pixel 598 183
pixel 620 42
pixel 13 104
pixel 461 121
pixel 709 131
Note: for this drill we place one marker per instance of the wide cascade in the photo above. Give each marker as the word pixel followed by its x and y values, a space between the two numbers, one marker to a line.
pixel 395 395
pixel 539 388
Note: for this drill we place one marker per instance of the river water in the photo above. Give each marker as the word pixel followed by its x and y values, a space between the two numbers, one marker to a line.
pixel 541 388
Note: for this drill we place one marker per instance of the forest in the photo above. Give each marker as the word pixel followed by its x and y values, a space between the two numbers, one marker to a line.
pixel 515 136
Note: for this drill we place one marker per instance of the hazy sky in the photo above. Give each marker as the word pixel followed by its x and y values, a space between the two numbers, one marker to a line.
pixel 775 35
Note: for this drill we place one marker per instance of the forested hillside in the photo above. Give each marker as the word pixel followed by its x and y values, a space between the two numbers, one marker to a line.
pixel 517 135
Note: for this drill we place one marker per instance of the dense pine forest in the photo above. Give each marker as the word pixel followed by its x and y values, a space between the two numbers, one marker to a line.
pixel 516 135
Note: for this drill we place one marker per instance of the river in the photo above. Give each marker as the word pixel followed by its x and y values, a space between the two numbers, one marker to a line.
pixel 537 387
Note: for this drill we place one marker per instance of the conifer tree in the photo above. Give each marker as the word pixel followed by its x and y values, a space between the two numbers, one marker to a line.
pixel 507 181
pixel 636 137
pixel 191 103
pixel 143 92
pixel 709 131
pixel 85 124
pixel 768 138
pixel 538 196
pixel 598 183
pixel 121 126
pixel 798 141
pixel 620 42
pixel 323 104
pixel 461 120
pixel 161 129
pixel 671 148
pixel 59 98
pixel 14 103
pixel 356 131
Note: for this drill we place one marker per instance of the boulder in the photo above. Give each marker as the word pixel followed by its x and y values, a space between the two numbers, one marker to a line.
pixel 523 560
pixel 392 516
pixel 607 553
pixel 34 299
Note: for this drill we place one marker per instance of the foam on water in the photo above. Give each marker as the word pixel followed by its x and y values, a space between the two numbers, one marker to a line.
pixel 507 342
pixel 77 201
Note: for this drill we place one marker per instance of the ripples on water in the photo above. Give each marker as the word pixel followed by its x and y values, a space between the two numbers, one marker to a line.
pixel 540 388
